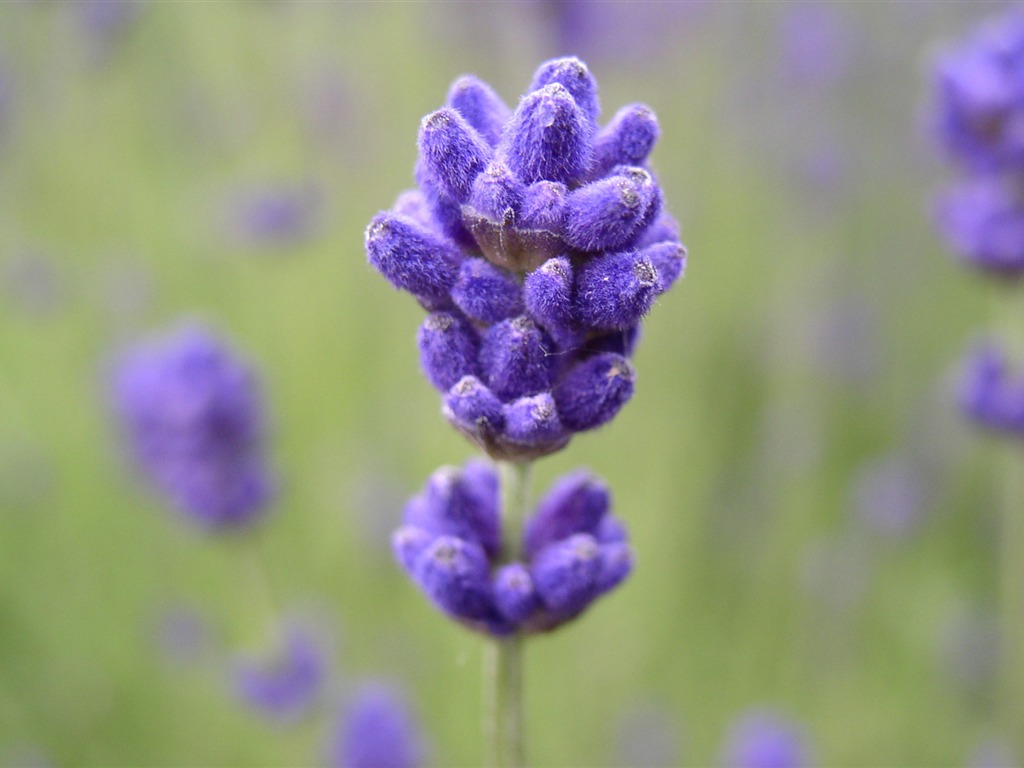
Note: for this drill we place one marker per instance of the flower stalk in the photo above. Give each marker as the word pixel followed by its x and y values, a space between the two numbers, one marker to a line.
pixel 503 659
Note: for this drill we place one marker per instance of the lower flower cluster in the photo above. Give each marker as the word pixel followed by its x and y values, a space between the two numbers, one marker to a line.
pixel 572 551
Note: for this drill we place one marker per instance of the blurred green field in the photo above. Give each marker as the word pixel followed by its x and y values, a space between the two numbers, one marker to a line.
pixel 816 330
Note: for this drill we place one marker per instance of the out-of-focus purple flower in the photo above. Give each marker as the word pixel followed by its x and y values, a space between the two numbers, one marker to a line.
pixel 817 44
pixel 574 551
pixel 286 685
pixel 275 215
pixel 762 738
pixel 982 220
pixel 533 235
pixel 990 393
pixel 979 96
pixel 889 495
pixel 192 415
pixel 377 730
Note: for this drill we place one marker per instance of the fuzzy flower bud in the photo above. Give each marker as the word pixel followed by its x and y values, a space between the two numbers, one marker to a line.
pixel 480 106
pixel 448 349
pixel 548 137
pixel 411 256
pixel 452 152
pixel 627 140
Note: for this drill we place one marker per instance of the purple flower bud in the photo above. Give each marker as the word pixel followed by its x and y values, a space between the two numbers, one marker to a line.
pixel 662 229
pixel 412 257
pixel 533 421
pixel 286 687
pixel 377 731
pixel 480 105
pixel 544 206
pixel 514 595
pixel 573 74
pixel 448 349
pixel 445 211
pixel 594 391
pixel 497 194
pixel 565 574
pixel 192 414
pixel 616 565
pixel 615 290
pixel 576 503
pixel 547 292
pixel 460 502
pixel 409 541
pixel 486 293
pixel 763 739
pixel 452 152
pixel 455 574
pixel 472 408
pixel 983 222
pixel 627 140
pixel 608 213
pixel 548 137
pixel 516 359
pixel 669 260
pixel 413 204
pixel 610 530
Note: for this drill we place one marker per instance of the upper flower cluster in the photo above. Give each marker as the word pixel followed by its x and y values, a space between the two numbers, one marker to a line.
pixel 979 116
pixel 193 416
pixel 451 544
pixel 537 241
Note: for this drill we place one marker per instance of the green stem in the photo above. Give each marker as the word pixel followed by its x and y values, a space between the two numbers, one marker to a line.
pixel 503 658
pixel 1011 537
pixel 1012 599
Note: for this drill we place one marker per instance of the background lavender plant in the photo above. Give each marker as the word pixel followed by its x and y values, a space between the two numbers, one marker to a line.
pixel 724 489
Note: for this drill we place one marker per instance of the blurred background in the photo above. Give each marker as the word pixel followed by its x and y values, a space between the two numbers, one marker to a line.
pixel 814 527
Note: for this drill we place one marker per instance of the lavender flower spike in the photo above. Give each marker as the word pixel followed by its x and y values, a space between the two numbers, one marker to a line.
pixel 538 239
pixel 192 415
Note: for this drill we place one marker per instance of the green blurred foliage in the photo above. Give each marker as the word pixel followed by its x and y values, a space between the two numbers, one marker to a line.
pixel 815 330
